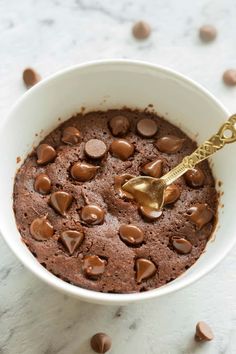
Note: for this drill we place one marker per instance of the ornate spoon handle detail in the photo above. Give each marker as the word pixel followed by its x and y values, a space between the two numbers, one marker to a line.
pixel 225 135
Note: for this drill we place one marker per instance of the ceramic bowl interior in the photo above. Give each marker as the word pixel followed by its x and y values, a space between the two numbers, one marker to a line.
pixel 114 84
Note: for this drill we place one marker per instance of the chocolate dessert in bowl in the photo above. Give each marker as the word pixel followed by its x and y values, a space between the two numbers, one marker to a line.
pixel 81 231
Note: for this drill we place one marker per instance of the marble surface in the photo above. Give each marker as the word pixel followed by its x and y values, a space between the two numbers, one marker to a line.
pixel 50 35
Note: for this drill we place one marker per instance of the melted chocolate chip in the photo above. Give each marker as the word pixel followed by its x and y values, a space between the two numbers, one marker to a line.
pixel 149 213
pixel 121 149
pixel 45 153
pixel 147 127
pixel 153 168
pixel 95 148
pixel 203 332
pixel 71 239
pixel 83 171
pixel 100 343
pixel 61 201
pixel 30 77
pixel 118 183
pixel 171 194
pixel 42 184
pixel 119 125
pixel 181 245
pixel 71 136
pixel 92 214
pixel 131 234
pixel 145 269
pixel 170 144
pixel 194 177
pixel 93 266
pixel 41 229
pixel 200 214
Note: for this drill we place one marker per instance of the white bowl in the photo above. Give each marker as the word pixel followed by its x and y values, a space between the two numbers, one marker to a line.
pixel 114 84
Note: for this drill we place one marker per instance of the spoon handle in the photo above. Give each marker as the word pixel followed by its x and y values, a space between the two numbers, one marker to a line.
pixel 225 135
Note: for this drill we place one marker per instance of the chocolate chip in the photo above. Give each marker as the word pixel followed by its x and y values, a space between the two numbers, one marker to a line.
pixel 119 125
pixel 45 153
pixel 95 148
pixel 61 201
pixel 121 149
pixel 170 144
pixel 145 269
pixel 30 77
pixel 147 127
pixel 82 171
pixel 100 343
pixel 131 234
pixel 203 332
pixel 207 33
pixel 181 245
pixel 149 213
pixel 194 178
pixel 92 214
pixel 93 266
pixel 171 194
pixel 141 30
pixel 118 183
pixel 153 168
pixel 41 229
pixel 71 239
pixel 71 136
pixel 229 77
pixel 200 214
pixel 42 184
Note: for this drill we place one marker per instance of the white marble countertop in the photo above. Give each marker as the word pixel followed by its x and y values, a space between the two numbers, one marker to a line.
pixel 50 35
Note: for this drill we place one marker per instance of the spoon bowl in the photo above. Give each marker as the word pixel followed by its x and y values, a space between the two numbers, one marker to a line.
pixel 147 191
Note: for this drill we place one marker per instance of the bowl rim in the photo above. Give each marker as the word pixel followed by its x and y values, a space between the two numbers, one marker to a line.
pixel 91 295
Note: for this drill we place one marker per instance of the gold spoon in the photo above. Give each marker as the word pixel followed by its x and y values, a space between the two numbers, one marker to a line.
pixel 149 191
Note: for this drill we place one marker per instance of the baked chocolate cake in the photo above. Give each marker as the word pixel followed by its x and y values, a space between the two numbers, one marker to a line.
pixel 78 222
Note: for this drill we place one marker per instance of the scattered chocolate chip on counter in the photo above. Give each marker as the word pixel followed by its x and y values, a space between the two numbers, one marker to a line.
pixel 207 33
pixel 100 343
pixel 141 30
pixel 229 77
pixel 30 77
pixel 203 332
